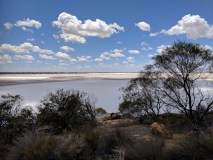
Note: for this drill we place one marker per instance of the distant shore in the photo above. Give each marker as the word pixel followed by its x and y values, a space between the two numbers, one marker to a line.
pixel 13 79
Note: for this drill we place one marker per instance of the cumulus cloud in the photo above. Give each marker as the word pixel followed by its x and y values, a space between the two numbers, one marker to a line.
pixel 134 51
pixel 84 58
pixel 155 34
pixel 116 53
pixel 62 55
pixel 24 57
pixel 193 26
pixel 131 59
pixel 8 25
pixel 143 26
pixel 161 48
pixel 74 30
pixel 5 57
pixel 44 56
pixel 67 49
pixel 26 23
pixel 30 39
pixel 207 47
pixel 56 36
pixel 146 48
pixel 23 48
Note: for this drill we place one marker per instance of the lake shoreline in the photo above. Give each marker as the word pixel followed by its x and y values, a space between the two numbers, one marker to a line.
pixel 16 79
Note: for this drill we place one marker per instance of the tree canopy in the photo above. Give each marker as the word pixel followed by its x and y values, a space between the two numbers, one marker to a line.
pixel 176 71
pixel 66 110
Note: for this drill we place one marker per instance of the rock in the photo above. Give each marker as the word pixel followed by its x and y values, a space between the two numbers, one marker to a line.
pixel 160 130
pixel 157 128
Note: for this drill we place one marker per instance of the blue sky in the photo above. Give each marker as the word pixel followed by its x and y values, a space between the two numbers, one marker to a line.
pixel 97 35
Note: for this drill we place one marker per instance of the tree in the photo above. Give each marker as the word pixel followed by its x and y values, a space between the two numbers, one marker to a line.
pixel 14 119
pixel 181 66
pixel 66 110
pixel 100 111
pixel 142 96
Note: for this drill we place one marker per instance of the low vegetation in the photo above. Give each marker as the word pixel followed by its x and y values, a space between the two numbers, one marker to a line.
pixel 66 127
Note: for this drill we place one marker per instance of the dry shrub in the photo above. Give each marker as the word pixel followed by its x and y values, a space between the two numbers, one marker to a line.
pixel 197 147
pixel 70 147
pixel 33 146
pixel 146 150
pixel 112 140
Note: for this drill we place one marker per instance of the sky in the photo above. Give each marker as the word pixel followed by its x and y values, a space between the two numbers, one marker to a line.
pixel 97 35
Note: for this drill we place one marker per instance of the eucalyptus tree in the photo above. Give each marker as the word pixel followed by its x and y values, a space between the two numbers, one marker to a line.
pixel 142 96
pixel 181 66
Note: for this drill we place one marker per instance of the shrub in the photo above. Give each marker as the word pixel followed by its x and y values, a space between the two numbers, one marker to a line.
pixel 146 150
pixel 33 146
pixel 112 140
pixel 195 147
pixel 100 111
pixel 14 119
pixel 71 147
pixel 66 110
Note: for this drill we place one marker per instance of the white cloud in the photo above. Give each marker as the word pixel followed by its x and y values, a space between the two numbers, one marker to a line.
pixel 62 55
pixel 24 24
pixel 161 48
pixel 134 51
pixel 24 57
pixel 8 25
pixel 119 42
pixel 5 57
pixel 117 54
pixel 117 50
pixel 131 59
pixel 30 39
pixel 144 44
pixel 151 55
pixel 207 47
pixel 67 49
pixel 23 48
pixel 84 58
pixel 99 59
pixel 193 26
pixel 44 56
pixel 146 48
pixel 155 34
pixel 13 49
pixel 74 30
pixel 56 36
pixel 143 26
pixel 105 56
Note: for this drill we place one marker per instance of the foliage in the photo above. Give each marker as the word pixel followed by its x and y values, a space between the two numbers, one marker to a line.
pixel 100 111
pixel 33 146
pixel 14 119
pixel 172 81
pixel 71 147
pixel 112 140
pixel 183 64
pixel 147 150
pixel 142 97
pixel 66 110
pixel 193 148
